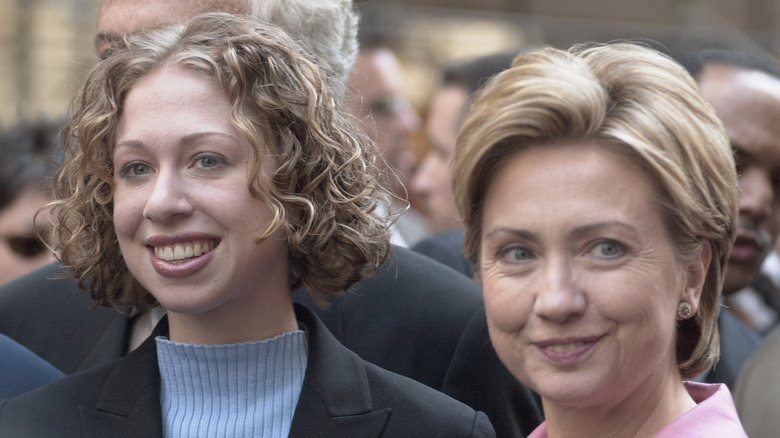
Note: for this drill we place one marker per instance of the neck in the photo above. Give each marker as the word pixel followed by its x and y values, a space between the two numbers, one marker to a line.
pixel 642 414
pixel 236 322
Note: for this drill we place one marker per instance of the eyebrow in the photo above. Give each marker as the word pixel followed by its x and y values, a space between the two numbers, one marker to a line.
pixel 513 231
pixel 576 233
pixel 137 144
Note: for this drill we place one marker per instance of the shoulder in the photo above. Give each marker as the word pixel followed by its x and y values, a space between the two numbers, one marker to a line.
pixel 51 410
pixel 418 280
pixel 343 391
pixel 713 415
pixel 446 248
pixel 84 336
pixel 430 412
pixel 22 370
pixel 758 388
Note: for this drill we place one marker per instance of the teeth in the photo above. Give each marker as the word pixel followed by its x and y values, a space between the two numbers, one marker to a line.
pixel 565 348
pixel 176 253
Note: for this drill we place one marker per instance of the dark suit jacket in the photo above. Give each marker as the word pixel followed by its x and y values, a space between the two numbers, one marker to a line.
pixel 446 248
pixel 478 378
pixel 757 391
pixel 342 396
pixel 408 320
pixel 21 370
pixel 737 342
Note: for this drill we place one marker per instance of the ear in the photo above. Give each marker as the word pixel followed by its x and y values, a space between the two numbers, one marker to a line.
pixel 696 274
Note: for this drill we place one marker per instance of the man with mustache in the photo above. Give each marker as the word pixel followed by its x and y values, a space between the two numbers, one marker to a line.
pixel 745 92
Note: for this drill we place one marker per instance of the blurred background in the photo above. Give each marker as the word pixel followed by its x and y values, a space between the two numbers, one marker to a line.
pixel 46 46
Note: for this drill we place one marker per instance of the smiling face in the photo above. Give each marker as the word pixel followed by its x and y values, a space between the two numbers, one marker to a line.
pixel 581 280
pixel 183 214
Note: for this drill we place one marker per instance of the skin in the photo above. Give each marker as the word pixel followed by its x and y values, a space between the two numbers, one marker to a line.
pixel 431 184
pixel 376 76
pixel 16 220
pixel 575 257
pixel 180 178
pixel 748 104
pixel 117 17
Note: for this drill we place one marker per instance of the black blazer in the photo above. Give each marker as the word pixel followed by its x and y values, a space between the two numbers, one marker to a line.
pixel 342 396
pixel 737 342
pixel 446 248
pixel 409 320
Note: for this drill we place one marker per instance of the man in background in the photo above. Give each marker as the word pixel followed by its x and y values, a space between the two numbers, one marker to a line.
pixel 376 98
pixel 432 181
pixel 744 90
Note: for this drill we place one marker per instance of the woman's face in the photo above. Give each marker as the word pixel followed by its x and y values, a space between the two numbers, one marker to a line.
pixel 184 217
pixel 580 277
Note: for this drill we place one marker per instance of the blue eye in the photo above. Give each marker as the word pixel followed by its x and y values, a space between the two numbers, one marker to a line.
pixel 208 161
pixel 608 249
pixel 515 254
pixel 135 169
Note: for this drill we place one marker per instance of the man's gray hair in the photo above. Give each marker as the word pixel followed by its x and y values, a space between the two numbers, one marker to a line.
pixel 327 28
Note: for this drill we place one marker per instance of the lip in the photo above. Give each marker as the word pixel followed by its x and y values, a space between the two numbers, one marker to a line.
pixel 747 248
pixel 569 356
pixel 181 268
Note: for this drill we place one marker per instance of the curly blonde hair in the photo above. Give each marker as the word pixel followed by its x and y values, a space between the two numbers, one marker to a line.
pixel 326 172
pixel 634 101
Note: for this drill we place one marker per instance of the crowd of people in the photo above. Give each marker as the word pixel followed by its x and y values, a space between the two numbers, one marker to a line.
pixel 217 240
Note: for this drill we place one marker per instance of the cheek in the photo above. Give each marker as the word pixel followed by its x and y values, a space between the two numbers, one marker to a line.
pixel 128 213
pixel 507 307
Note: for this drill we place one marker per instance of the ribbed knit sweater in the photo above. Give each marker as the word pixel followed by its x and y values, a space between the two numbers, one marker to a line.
pixel 237 390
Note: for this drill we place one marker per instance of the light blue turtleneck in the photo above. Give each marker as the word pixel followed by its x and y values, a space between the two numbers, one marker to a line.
pixel 237 390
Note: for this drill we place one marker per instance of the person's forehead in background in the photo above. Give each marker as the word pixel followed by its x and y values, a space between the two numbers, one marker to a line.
pixel 117 17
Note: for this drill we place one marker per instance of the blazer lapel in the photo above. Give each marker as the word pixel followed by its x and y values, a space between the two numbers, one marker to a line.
pixel 129 401
pixel 336 397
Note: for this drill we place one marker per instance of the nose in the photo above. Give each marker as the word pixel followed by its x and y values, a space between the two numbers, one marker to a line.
pixel 422 180
pixel 558 297
pixel 408 119
pixel 168 199
pixel 756 194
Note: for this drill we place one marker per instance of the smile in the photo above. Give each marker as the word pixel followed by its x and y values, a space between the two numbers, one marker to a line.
pixel 566 352
pixel 179 252
pixel 565 348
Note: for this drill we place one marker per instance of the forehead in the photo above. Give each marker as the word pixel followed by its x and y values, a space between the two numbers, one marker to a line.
pixel 748 104
pixel 376 72
pixel 117 17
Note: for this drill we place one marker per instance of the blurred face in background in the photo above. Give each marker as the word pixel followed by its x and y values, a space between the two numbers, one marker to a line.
pixel 748 104
pixel 20 250
pixel 375 97
pixel 432 182
pixel 117 17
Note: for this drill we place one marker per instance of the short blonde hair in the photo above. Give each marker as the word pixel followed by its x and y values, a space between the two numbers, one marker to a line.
pixel 631 100
pixel 326 172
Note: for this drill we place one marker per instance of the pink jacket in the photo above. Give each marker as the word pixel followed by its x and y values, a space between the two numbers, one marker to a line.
pixel 713 416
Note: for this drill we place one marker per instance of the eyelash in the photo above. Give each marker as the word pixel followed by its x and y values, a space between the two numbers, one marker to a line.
pixel 127 168
pixel 619 247
pixel 620 250
pixel 218 160
pixel 505 252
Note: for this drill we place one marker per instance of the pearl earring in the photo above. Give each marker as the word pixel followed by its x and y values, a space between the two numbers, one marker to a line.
pixel 684 310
